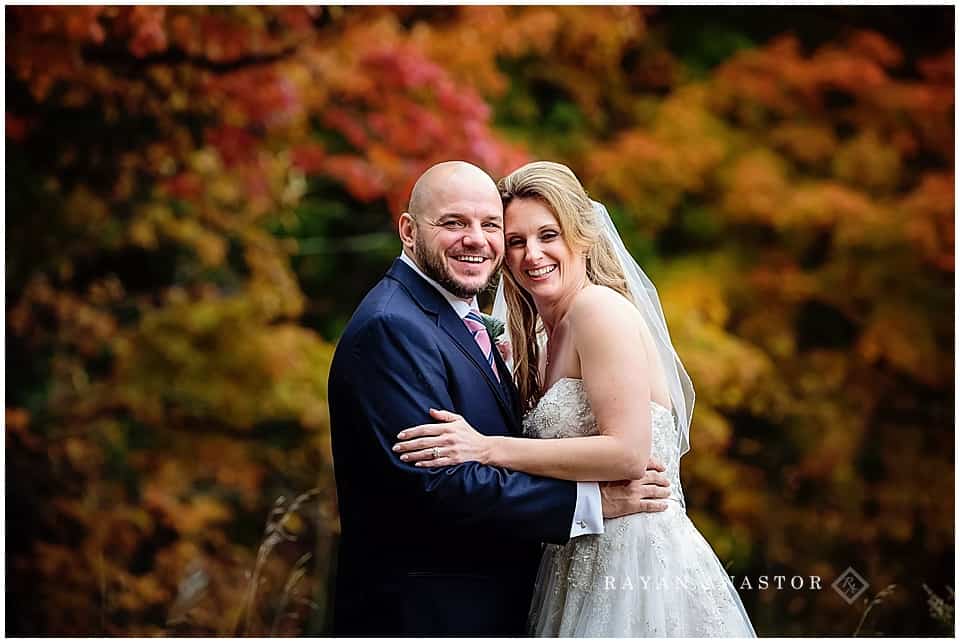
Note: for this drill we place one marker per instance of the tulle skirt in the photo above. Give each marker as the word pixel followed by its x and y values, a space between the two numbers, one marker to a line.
pixel 649 574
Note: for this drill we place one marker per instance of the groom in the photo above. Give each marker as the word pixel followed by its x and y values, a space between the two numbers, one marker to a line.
pixel 450 550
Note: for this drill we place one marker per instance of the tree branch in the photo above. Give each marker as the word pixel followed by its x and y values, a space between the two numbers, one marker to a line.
pixel 116 57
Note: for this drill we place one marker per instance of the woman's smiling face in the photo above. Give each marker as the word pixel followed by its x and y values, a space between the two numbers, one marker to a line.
pixel 537 254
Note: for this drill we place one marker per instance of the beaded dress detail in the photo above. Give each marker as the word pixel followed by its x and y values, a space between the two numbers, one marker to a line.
pixel 649 574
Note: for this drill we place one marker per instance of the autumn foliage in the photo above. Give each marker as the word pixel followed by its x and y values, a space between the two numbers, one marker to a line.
pixel 198 196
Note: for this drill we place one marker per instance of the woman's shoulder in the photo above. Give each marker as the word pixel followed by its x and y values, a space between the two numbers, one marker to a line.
pixel 596 299
pixel 601 308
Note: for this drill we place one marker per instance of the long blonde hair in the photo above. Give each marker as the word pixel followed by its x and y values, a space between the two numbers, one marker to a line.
pixel 558 188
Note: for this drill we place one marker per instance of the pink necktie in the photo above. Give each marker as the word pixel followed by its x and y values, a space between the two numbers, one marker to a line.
pixel 475 325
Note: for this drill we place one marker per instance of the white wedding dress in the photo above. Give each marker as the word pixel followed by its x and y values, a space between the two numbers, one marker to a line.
pixel 648 574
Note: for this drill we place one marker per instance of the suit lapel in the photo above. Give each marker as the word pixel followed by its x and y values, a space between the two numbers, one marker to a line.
pixel 451 323
pixel 433 303
pixel 510 390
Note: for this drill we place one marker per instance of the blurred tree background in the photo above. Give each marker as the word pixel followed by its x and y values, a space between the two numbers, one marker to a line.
pixel 198 197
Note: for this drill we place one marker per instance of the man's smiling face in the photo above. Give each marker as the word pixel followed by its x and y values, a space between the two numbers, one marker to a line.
pixel 458 237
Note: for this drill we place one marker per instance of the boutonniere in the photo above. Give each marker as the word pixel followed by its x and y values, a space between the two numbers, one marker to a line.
pixel 494 326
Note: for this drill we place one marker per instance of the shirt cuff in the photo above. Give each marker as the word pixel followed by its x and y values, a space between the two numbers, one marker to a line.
pixel 588 514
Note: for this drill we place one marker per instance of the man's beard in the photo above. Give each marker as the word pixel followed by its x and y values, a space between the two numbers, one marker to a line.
pixel 432 264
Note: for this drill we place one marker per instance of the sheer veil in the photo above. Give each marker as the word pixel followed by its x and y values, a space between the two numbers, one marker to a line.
pixel 645 298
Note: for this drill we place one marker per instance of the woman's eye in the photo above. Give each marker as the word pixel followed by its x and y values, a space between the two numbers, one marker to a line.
pixel 514 243
pixel 549 236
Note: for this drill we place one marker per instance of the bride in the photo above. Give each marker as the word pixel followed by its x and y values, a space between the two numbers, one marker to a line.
pixel 594 364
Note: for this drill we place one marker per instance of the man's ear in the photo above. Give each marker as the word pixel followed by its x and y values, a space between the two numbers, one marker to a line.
pixel 407 228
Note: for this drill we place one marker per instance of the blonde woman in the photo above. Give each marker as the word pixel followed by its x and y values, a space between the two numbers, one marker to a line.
pixel 594 365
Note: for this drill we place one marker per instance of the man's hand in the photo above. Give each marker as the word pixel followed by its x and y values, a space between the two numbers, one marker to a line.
pixel 626 497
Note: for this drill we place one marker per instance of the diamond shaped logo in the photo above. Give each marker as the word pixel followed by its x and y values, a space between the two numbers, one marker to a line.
pixel 850 585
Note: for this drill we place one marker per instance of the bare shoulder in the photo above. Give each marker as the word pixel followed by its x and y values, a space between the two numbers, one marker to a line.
pixel 595 300
pixel 601 310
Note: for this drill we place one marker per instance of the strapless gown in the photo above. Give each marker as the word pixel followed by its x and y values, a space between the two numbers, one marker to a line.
pixel 649 574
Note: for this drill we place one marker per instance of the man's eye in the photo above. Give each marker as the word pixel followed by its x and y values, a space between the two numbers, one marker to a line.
pixel 491 226
pixel 452 225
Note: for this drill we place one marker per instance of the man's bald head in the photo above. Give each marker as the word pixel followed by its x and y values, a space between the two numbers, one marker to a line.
pixel 447 181
pixel 453 229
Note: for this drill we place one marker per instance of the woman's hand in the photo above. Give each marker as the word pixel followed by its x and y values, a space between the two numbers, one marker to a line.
pixel 452 441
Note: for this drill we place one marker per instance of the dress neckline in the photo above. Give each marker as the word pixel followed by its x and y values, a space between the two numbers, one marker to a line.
pixel 580 379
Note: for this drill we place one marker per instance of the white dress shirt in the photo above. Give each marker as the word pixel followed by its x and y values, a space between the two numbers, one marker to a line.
pixel 588 512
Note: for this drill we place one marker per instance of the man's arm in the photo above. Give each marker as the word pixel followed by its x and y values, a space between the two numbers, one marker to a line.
pixel 400 365
pixel 596 501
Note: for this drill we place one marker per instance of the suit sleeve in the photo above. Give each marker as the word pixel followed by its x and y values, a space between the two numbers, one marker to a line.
pixel 401 362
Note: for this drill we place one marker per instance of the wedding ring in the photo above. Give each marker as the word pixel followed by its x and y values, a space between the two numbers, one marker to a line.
pixel 436 452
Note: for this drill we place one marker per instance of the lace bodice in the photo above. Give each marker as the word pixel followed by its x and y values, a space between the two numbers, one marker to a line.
pixel 647 574
pixel 564 412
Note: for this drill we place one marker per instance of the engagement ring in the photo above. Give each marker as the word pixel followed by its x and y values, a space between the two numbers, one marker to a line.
pixel 436 452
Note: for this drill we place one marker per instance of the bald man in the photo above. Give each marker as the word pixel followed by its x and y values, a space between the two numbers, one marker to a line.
pixel 450 550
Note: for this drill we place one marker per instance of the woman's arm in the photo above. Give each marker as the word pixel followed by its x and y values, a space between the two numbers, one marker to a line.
pixel 615 370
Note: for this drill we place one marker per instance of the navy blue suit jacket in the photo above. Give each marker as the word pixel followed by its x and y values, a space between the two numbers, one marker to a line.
pixel 452 550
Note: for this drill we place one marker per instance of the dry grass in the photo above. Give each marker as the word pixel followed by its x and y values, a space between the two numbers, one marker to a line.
pixel 276 532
